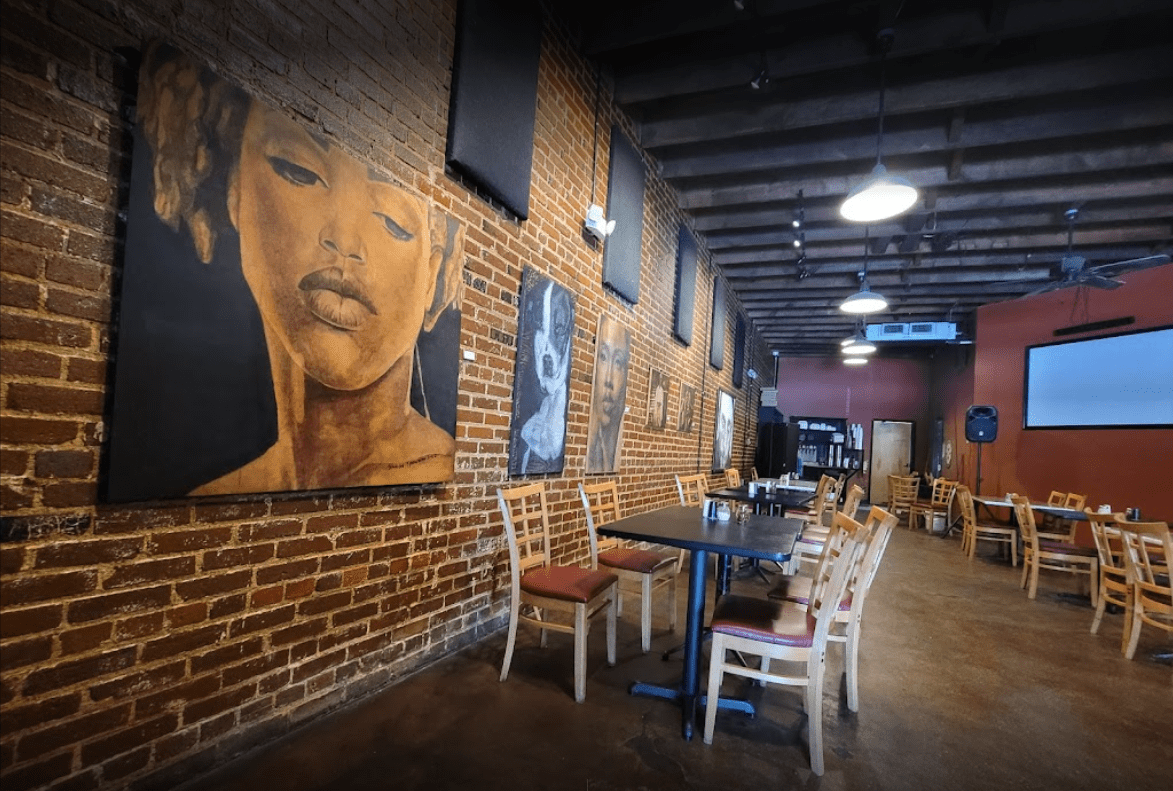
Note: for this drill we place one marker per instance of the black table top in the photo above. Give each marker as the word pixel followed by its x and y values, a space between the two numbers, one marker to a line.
pixel 765 537
pixel 782 497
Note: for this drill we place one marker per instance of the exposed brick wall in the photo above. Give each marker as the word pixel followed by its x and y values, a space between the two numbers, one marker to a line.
pixel 142 643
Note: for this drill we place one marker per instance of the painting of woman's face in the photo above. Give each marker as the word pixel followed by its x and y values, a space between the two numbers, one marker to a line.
pixel 338 259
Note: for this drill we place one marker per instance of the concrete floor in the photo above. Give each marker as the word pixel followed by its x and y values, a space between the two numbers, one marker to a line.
pixel 964 684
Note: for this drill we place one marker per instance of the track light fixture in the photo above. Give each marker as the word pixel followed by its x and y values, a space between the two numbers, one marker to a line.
pixel 760 80
pixel 881 195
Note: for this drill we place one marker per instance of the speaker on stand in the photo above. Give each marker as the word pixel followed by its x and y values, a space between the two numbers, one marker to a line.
pixel 981 426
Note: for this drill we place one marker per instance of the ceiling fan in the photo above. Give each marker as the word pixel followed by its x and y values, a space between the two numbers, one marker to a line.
pixel 1074 271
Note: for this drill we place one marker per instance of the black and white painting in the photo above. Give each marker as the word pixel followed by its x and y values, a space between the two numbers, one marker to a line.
pixel 660 384
pixel 723 431
pixel 537 440
pixel 687 414
pixel 608 396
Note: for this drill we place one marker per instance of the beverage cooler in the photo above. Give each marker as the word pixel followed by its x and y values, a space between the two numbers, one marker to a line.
pixel 777 452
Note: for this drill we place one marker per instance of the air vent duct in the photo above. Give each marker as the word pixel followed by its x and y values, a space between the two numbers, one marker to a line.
pixel 915 331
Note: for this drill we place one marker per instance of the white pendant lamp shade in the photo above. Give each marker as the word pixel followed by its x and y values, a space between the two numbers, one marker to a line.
pixel 859 345
pixel 863 302
pixel 879 197
pixel 855 360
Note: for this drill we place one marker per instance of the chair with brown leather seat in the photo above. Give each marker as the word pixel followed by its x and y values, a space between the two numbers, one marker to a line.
pixel 769 629
pixel 1115 586
pixel 645 570
pixel 902 493
pixel 541 590
pixel 1039 553
pixel 974 531
pixel 1148 552
pixel 937 504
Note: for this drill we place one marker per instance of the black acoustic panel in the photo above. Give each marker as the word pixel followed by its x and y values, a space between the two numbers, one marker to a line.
pixel 494 96
pixel 684 307
pixel 738 350
pixel 981 424
pixel 717 328
pixel 625 205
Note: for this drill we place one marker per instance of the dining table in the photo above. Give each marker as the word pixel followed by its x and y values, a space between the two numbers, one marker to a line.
pixel 758 536
pixel 765 499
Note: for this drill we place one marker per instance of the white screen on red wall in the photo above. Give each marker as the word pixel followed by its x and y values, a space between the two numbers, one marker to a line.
pixel 1115 380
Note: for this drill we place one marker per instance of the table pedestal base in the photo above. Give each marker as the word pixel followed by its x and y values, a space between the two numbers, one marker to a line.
pixel 676 694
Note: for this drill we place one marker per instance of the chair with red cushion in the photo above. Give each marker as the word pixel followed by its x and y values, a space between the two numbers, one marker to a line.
pixel 648 570
pixel 1044 553
pixel 783 631
pixel 542 591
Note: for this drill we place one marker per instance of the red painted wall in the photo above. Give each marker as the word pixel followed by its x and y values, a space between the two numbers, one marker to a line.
pixel 884 389
pixel 952 381
pixel 1121 467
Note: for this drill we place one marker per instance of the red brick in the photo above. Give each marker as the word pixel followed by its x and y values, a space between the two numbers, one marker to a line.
pixel 21 260
pixel 87 553
pixel 64 463
pixel 113 604
pixel 87 371
pixel 269 660
pixel 134 520
pixel 14 499
pixel 286 571
pixel 267 531
pixel 210 707
pixel 187 614
pixel 19 294
pixel 225 655
pixel 13 462
pixel 323 524
pixel 229 605
pixel 150 705
pixel 346 559
pixel 46 587
pixel 69 495
pixel 38 775
pixel 299 632
pixel 207 587
pixel 77 272
pixel 53 400
pixel 31 431
pixel 19 718
pixel 57 736
pixel 182 643
pixel 230 512
pixel 310 545
pixel 80 306
pixel 127 574
pixel 262 620
pixel 139 627
pixel 299 589
pixel 102 249
pixel 47 679
pixel 11 561
pixel 188 540
pixel 21 228
pixel 50 332
pixel 84 639
pixel 237 556
pixel 26 652
pixel 120 767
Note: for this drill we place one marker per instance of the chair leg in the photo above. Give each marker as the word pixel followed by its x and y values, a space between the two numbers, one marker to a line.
pixel 814 708
pixel 1093 582
pixel 852 660
pixel 716 662
pixel 581 626
pixel 671 587
pixel 508 659
pixel 1126 635
pixel 1099 615
pixel 1025 571
pixel 1134 629
pixel 611 618
pixel 1034 579
pixel 645 613
pixel 1013 553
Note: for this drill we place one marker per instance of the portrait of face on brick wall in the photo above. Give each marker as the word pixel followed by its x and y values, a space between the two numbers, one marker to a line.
pixel 684 421
pixel 608 396
pixel 723 431
pixel 659 385
pixel 289 316
pixel 537 437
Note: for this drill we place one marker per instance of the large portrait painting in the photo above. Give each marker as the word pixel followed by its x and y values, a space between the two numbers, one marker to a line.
pixel 537 439
pixel 289 316
pixel 687 414
pixel 608 396
pixel 723 431
pixel 659 386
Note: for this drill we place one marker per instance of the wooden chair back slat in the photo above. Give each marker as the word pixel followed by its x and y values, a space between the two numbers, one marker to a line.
pixel 527 524
pixel 692 488
pixel 600 503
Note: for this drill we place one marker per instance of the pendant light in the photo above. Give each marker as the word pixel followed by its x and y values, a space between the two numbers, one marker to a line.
pixel 855 360
pixel 859 344
pixel 865 300
pixel 881 195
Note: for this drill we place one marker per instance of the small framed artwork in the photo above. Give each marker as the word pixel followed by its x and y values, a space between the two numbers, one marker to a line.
pixel 684 421
pixel 723 431
pixel 660 384
pixel 537 436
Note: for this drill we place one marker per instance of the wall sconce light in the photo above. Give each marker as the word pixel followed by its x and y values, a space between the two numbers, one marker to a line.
pixel 597 225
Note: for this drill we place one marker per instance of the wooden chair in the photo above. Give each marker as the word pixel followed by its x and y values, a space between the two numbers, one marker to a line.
pixel 541 590
pixel 849 615
pixel 1148 552
pixel 692 488
pixel 781 630
pixel 902 493
pixel 1115 586
pixel 648 571
pixel 826 495
pixel 753 473
pixel 810 545
pixel 732 478
pixel 850 505
pixel 974 531
pixel 1057 528
pixel 1040 553
pixel 937 504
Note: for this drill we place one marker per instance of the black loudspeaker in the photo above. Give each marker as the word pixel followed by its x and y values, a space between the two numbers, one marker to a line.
pixel 981 424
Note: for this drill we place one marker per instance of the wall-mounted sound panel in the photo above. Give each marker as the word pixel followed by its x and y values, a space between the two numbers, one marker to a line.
pixel 494 97
pixel 684 307
pixel 625 205
pixel 738 350
pixel 717 328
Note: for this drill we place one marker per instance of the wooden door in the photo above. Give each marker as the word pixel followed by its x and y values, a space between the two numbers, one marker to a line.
pixel 891 455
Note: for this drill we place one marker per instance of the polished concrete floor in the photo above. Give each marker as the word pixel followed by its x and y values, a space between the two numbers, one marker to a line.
pixel 965 684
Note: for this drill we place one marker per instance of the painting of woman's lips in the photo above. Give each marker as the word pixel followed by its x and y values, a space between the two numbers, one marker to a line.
pixel 336 300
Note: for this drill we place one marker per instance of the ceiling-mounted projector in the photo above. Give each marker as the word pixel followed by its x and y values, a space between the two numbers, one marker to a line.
pixel 596 224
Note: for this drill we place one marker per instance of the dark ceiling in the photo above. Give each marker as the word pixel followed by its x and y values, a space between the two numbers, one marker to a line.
pixel 1004 114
